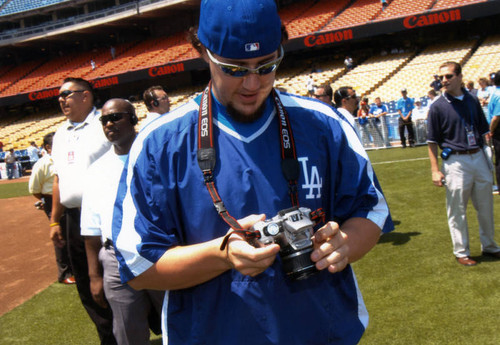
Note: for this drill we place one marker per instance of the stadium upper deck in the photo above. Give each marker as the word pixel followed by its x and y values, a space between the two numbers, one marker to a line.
pixel 17 6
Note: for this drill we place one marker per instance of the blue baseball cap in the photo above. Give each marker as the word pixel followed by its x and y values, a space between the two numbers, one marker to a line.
pixel 240 29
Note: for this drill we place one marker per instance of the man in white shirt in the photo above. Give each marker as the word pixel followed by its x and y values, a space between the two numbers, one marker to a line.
pixel 77 144
pixel 346 101
pixel 157 103
pixel 420 119
pixel 310 86
pixel 10 163
pixel 132 309
pixel 420 112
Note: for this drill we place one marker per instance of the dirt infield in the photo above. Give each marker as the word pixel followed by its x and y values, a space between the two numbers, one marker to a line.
pixel 27 261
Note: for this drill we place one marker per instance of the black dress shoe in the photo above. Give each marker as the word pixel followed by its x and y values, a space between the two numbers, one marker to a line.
pixel 466 261
pixel 493 255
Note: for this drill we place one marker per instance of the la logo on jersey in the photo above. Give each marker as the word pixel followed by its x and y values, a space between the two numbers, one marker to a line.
pixel 312 180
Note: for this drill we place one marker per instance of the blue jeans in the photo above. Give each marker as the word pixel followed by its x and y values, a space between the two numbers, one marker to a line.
pixel 10 170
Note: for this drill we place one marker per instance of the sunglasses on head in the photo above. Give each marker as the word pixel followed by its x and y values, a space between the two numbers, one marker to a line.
pixel 447 76
pixel 241 71
pixel 64 94
pixel 111 117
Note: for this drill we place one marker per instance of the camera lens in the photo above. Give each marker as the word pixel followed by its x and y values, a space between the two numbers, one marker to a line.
pixel 298 265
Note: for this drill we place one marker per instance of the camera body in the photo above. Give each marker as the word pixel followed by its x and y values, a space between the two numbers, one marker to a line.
pixel 292 229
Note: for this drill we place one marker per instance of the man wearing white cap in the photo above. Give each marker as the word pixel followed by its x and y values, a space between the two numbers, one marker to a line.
pixel 198 181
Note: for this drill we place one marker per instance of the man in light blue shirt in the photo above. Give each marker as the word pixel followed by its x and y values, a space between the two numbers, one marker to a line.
pixel 33 153
pixel 405 107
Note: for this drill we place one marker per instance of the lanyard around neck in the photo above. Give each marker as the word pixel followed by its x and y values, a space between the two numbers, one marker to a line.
pixel 206 156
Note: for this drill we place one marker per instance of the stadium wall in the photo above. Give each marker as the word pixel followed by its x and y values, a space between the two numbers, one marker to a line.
pixel 316 40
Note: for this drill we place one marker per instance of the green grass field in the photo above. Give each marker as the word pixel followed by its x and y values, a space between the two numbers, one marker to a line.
pixel 415 291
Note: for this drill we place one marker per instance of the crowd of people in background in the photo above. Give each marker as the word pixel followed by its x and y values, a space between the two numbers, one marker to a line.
pixel 377 131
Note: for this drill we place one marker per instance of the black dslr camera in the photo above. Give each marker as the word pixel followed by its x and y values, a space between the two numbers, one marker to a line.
pixel 292 229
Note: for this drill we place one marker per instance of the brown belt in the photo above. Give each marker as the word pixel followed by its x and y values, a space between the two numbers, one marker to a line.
pixel 466 152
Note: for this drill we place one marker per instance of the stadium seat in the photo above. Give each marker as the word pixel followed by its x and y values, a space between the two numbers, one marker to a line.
pixel 359 12
pixel 453 3
pixel 417 74
pixel 398 8
pixel 484 61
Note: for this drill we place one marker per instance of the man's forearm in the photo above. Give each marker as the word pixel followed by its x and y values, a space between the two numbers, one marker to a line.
pixel 433 151
pixel 93 245
pixel 362 236
pixel 184 266
pixel 57 207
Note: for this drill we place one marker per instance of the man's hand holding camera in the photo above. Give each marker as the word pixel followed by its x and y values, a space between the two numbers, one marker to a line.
pixel 244 257
pixel 330 248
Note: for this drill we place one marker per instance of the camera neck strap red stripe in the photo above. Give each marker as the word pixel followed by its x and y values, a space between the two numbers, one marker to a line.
pixel 206 156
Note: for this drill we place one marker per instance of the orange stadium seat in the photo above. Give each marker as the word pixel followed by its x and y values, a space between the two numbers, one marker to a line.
pixel 16 74
pixel 315 17
pixel 293 11
pixel 359 12
pixel 454 3
pixel 398 8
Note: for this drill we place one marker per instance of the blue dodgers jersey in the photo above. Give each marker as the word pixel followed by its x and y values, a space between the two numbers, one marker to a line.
pixel 163 202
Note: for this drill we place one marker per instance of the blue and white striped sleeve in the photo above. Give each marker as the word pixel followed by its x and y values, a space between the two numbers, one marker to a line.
pixel 141 233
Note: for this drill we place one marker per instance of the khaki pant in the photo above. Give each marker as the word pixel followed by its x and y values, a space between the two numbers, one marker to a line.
pixel 469 177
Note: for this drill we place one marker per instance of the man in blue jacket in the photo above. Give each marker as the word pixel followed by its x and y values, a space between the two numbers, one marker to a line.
pixel 251 152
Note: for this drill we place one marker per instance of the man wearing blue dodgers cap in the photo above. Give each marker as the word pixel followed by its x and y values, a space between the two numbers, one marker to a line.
pixel 251 152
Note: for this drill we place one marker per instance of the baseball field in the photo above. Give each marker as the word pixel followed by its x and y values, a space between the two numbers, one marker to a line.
pixel 415 291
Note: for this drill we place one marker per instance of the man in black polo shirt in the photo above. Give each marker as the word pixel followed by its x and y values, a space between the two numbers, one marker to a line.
pixel 457 124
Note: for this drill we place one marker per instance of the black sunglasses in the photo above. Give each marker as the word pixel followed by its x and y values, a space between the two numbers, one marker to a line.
pixel 447 76
pixel 67 93
pixel 111 117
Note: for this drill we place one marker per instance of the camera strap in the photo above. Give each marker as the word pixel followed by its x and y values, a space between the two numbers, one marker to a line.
pixel 206 156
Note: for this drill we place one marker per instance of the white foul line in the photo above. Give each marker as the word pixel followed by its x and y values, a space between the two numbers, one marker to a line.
pixel 403 160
